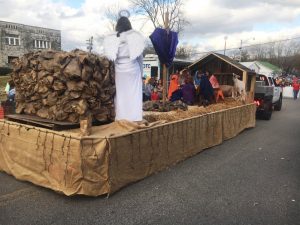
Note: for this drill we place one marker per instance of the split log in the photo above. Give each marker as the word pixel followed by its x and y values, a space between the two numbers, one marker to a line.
pixel 65 86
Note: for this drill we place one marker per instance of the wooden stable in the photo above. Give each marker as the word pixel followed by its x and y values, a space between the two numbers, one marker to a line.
pixel 223 68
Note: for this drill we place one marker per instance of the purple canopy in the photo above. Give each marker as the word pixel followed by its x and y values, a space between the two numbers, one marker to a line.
pixel 165 44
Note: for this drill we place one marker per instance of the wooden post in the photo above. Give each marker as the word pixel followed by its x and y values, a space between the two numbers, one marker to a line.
pixel 245 80
pixel 164 65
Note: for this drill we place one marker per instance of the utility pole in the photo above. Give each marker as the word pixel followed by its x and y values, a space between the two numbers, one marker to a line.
pixel 241 51
pixel 242 47
pixel 89 43
pixel 225 38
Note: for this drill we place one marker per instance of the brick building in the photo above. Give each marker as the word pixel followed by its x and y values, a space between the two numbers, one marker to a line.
pixel 18 39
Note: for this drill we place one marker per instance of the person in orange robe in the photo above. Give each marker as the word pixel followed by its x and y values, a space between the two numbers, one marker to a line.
pixel 174 84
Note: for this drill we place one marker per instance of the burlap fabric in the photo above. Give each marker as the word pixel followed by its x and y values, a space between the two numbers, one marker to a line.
pixel 114 155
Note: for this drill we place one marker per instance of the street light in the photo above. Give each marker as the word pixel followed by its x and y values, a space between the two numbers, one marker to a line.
pixel 225 38
pixel 242 46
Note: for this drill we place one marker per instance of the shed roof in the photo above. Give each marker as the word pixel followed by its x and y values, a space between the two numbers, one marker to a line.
pixel 270 66
pixel 262 64
pixel 226 59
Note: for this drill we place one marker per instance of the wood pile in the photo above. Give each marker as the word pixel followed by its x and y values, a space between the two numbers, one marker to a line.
pixel 65 86
pixel 158 106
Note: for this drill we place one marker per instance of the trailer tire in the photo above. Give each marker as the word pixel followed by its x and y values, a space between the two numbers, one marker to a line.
pixel 268 109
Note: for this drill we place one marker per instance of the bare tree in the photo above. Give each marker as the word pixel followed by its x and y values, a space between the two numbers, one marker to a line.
pixel 149 50
pixel 245 56
pixel 155 10
pixel 112 14
pixel 184 52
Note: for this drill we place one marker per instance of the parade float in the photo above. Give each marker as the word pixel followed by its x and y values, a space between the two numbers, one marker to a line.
pixel 113 154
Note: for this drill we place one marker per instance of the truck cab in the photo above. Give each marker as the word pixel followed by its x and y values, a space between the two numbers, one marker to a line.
pixel 268 95
pixel 277 90
pixel 151 66
pixel 277 93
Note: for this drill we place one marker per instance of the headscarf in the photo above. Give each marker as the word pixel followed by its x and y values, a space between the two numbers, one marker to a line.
pixel 214 82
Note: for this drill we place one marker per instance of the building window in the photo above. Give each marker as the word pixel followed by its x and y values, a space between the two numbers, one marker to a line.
pixel 11 58
pixel 40 44
pixel 12 41
pixel 11 26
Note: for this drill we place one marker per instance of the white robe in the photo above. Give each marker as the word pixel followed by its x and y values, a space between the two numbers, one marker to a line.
pixel 127 52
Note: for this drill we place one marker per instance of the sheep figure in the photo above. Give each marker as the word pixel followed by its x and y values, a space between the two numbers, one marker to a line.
pixel 239 90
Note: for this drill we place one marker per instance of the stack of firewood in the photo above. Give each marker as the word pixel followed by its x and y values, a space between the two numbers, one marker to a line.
pixel 65 86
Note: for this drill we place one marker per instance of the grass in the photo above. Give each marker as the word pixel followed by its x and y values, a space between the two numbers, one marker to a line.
pixel 3 81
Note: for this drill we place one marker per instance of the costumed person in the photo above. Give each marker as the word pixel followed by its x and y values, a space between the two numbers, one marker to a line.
pixel 176 95
pixel 206 92
pixel 181 78
pixel 188 91
pixel 12 92
pixel 174 84
pixel 197 78
pixel 125 47
pixel 216 86
pixel 10 103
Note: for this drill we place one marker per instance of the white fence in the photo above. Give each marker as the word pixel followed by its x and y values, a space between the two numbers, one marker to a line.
pixel 288 92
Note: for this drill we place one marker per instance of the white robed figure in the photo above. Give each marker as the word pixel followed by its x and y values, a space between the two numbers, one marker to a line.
pixel 125 47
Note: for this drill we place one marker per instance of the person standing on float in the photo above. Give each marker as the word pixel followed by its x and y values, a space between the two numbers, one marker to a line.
pixel 125 47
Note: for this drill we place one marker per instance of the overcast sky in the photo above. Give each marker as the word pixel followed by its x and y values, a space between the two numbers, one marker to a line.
pixel 210 20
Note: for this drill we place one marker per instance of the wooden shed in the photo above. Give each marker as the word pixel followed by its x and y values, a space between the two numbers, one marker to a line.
pixel 223 68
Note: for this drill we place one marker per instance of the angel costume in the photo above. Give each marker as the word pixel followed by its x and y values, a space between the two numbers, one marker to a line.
pixel 126 51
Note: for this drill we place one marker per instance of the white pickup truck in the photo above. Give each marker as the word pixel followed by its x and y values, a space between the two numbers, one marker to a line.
pixel 277 93
pixel 268 95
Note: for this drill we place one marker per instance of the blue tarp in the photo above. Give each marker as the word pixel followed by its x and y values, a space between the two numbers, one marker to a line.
pixel 165 44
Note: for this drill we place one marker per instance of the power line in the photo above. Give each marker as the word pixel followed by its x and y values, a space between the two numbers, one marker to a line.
pixel 247 46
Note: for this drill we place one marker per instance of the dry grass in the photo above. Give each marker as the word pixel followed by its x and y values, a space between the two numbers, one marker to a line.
pixel 192 111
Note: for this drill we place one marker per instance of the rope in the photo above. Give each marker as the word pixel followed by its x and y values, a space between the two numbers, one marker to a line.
pixel 37 141
pixel 63 145
pixel 51 153
pixel 67 161
pixel 44 147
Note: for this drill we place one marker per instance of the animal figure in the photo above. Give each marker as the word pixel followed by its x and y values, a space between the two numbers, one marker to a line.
pixel 239 88
pixel 228 90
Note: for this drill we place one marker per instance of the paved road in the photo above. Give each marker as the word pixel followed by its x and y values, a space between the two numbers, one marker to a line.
pixel 251 179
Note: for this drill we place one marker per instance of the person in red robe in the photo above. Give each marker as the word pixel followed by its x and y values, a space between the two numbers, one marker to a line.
pixel 216 86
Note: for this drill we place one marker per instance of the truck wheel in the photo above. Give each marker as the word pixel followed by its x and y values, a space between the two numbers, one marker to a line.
pixel 267 113
pixel 278 105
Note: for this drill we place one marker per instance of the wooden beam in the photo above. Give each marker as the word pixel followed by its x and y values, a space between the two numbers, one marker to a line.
pixel 252 88
pixel 164 65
